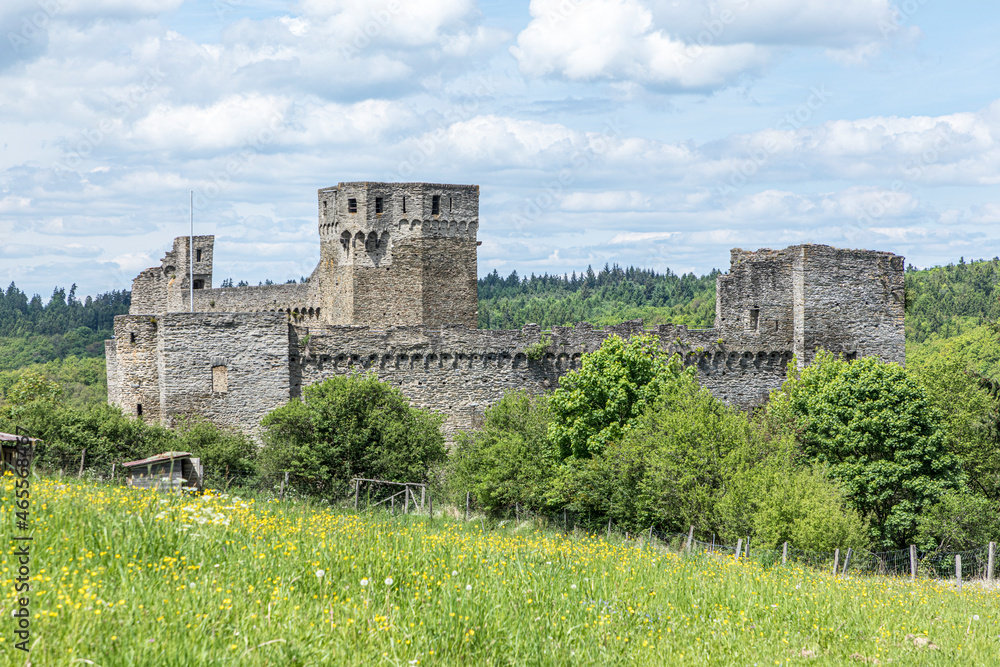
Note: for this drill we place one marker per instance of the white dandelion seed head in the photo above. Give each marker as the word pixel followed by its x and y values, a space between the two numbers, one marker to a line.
pixel 454 573
pixel 364 582
pixel 320 573
pixel 388 581
pixel 573 586
pixel 468 587
pixel 975 617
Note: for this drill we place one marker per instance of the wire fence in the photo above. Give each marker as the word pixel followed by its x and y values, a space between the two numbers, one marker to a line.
pixel 973 564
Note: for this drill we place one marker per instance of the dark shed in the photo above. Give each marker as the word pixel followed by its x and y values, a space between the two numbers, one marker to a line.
pixel 8 446
pixel 168 471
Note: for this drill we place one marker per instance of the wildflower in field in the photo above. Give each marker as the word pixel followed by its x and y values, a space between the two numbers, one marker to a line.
pixel 364 582
pixel 320 573
pixel 468 587
pixel 388 581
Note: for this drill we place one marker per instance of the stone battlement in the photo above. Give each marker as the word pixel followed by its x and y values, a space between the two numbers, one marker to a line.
pixel 394 293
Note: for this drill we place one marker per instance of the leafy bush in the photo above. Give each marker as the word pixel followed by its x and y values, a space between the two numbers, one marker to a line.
pixel 508 460
pixel 536 351
pixel 806 509
pixel 971 417
pixel 347 427
pixel 223 453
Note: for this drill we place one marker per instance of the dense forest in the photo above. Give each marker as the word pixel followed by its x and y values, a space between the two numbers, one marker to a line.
pixel 613 295
pixel 33 332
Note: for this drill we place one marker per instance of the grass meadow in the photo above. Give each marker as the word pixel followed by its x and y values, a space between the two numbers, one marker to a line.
pixel 127 577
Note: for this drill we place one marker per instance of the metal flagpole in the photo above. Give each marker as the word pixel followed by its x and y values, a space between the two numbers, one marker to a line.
pixel 191 251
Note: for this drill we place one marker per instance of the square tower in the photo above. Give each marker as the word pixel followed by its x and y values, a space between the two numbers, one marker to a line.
pixel 809 297
pixel 398 254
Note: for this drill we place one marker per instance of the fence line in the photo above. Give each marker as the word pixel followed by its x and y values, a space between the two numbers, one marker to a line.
pixel 976 563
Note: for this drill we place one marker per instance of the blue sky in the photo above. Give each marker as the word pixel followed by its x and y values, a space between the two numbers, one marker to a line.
pixel 657 133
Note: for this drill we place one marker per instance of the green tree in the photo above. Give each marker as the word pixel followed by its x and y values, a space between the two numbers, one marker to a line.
pixel 958 522
pixel 599 403
pixel 347 427
pixel 971 418
pixel 509 459
pixel 873 427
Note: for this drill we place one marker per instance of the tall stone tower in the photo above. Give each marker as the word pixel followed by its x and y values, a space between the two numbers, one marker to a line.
pixel 397 254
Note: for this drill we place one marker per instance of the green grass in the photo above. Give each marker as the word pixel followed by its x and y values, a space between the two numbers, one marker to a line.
pixel 134 578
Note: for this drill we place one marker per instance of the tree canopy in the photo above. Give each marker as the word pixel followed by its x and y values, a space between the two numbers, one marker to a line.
pixel 599 402
pixel 873 427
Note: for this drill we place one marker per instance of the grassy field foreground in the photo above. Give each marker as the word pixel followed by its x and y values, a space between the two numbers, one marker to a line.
pixel 123 577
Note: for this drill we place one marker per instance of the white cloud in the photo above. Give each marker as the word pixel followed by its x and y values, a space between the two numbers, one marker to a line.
pixel 617 40
pixel 694 44
pixel 604 201
pixel 642 237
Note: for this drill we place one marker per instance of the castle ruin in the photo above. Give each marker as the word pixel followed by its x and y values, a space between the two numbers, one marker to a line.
pixel 395 292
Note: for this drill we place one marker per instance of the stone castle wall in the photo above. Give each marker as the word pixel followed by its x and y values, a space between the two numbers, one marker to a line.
pixel 453 370
pixel 394 293
pixel 460 372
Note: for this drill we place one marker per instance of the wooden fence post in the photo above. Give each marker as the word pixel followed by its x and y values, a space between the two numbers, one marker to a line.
pixel 690 538
pixel 565 521
pixel 467 496
pixel 958 571
pixel 847 559
pixel 281 492
pixel 609 529
pixel 357 485
pixel 913 562
pixel 784 553
pixel 113 473
pixel 82 457
pixel 423 496
pixel 650 536
pixel 430 506
pixel 989 563
pixel 739 547
pixel 836 561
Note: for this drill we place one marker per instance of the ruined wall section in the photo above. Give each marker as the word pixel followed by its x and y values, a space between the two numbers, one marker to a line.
pixel 136 365
pixel 460 372
pixel 753 305
pixel 231 368
pixel 149 293
pixel 852 303
pixel 808 297
pixel 164 288
pixel 289 298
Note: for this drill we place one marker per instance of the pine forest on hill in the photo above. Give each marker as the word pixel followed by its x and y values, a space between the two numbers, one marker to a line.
pixel 611 296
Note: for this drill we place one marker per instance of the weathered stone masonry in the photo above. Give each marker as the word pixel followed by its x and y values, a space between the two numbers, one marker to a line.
pixel 395 293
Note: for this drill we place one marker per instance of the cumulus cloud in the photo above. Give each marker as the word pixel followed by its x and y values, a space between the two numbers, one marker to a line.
pixel 617 40
pixel 694 44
